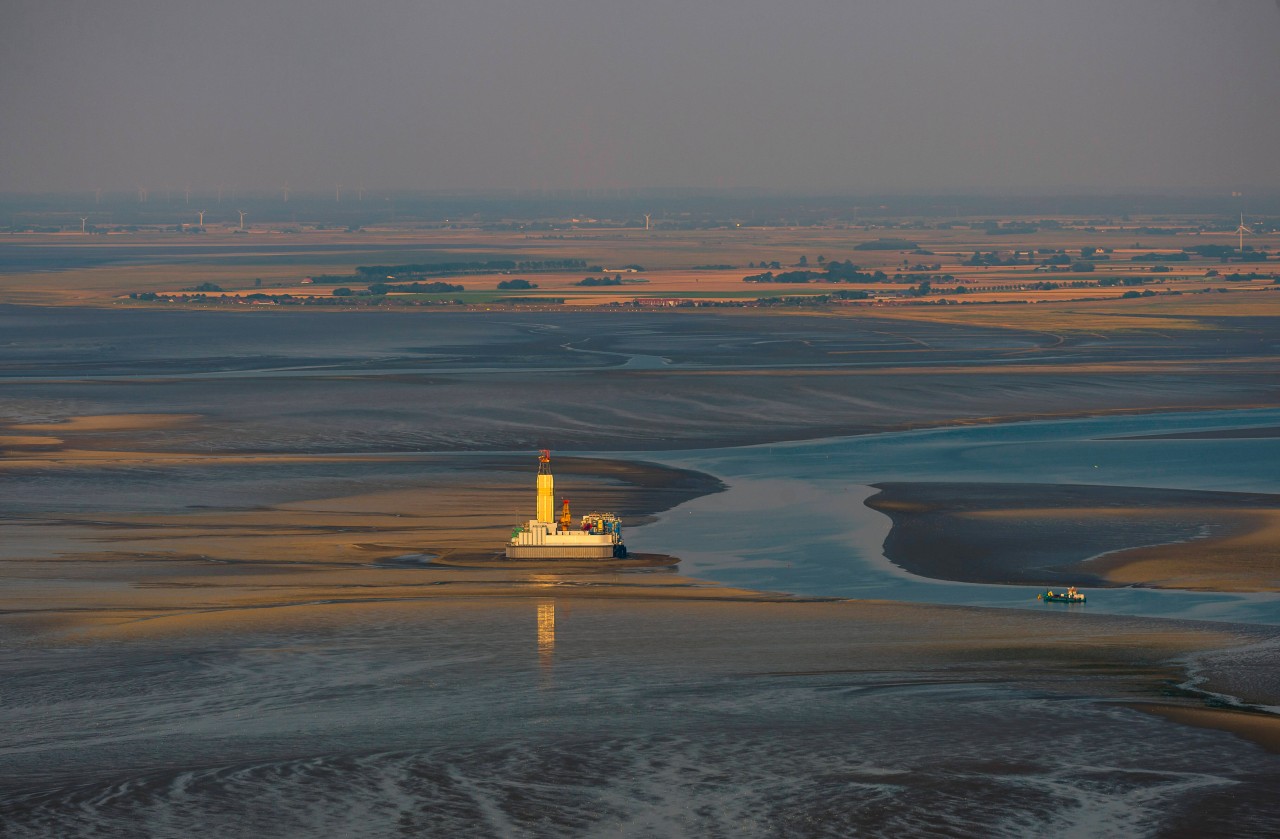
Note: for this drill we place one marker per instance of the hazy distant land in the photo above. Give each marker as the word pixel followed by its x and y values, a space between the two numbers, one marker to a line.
pixel 831 256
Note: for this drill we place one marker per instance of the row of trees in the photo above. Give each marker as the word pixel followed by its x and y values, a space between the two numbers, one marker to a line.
pixel 492 266
pixel 376 289
pixel 411 288
pixel 835 272
pixel 814 299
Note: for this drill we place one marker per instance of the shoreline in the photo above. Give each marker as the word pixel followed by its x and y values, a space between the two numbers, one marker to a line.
pixel 495 562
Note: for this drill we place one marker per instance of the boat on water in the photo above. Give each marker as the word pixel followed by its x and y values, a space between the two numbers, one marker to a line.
pixel 1068 596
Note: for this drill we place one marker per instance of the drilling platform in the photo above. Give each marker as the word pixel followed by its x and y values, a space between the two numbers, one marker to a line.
pixel 597 535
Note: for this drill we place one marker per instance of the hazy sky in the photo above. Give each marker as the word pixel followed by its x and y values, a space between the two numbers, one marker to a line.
pixel 802 94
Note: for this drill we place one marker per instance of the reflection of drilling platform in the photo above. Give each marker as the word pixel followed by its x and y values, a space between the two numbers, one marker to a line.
pixel 597 536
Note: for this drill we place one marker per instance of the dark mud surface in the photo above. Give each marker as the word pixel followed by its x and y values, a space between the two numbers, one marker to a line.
pixel 297 381
pixel 1040 534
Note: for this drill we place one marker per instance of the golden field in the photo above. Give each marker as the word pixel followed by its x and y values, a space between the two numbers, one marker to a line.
pixel 671 261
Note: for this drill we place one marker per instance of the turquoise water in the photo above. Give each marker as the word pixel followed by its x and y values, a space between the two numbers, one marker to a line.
pixel 793 519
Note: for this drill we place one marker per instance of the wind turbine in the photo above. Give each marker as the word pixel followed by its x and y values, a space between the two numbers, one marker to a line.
pixel 646 221
pixel 201 214
pixel 142 195
pixel 337 193
pixel 285 189
pixel 83 221
pixel 187 193
pixel 1241 230
pixel 242 215
pixel 97 196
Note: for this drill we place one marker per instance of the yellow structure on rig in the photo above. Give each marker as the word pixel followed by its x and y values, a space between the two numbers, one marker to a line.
pixel 546 489
pixel 599 536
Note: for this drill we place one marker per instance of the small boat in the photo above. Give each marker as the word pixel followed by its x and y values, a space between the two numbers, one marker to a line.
pixel 1068 596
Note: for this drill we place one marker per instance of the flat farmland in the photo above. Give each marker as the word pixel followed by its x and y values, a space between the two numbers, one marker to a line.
pixel 660 267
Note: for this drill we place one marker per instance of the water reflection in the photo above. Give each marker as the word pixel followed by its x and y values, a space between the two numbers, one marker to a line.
pixel 546 634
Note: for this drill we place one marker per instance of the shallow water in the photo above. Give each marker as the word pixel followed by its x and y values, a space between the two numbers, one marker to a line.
pixel 436 723
pixel 793 519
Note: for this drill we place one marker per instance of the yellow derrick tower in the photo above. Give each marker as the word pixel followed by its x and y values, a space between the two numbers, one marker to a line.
pixel 546 489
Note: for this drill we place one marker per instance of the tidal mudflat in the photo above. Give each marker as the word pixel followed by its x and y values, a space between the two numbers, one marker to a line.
pixel 316 382
pixel 556 714
pixel 224 612
pixel 1033 534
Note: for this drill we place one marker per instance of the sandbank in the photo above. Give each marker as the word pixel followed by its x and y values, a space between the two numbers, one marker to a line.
pixel 28 441
pixel 444 533
pixel 1043 534
pixel 109 422
pixel 1263 729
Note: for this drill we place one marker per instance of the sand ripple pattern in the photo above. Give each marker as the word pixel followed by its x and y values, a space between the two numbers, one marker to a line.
pixel 770 783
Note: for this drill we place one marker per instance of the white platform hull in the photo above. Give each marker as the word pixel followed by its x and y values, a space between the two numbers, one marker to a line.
pixel 559 551
pixel 542 540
